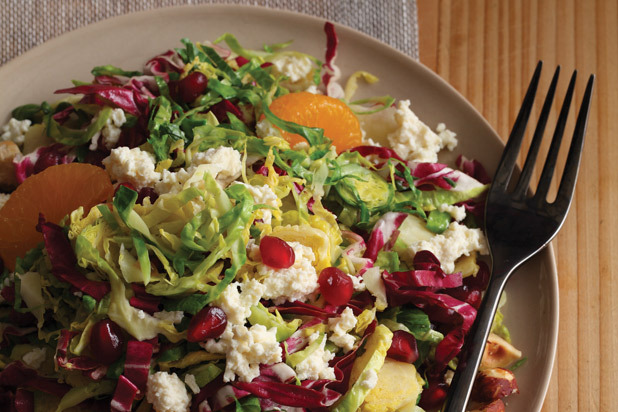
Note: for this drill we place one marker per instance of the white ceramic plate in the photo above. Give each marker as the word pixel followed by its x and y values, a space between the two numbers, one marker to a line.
pixel 128 41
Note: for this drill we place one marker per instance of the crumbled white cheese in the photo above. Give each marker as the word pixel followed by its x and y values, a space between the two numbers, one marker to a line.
pixel 315 366
pixel 141 314
pixel 339 328
pixel 15 130
pixel 265 128
pixel 245 349
pixel 223 163
pixel 237 306
pixel 111 130
pixel 192 383
pixel 313 89
pixel 294 283
pixel 167 393
pixel 35 357
pixel 368 379
pixel 372 278
pixel 298 68
pixel 414 140
pixel 174 316
pixel 264 195
pixel 134 166
pixel 4 197
pixel 448 138
pixel 457 212
pixel 172 182
pixel 358 284
pixel 454 242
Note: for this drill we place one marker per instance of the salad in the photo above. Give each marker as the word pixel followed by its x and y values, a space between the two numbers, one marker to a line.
pixel 230 229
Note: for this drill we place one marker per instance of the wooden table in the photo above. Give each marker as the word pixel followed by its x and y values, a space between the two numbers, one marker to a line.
pixel 487 49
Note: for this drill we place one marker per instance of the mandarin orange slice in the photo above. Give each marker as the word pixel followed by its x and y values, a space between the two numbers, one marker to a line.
pixel 55 192
pixel 340 124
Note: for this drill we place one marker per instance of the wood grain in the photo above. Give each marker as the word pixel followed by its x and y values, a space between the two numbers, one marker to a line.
pixel 487 49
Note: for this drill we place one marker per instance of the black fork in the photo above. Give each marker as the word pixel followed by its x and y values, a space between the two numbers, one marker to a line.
pixel 519 226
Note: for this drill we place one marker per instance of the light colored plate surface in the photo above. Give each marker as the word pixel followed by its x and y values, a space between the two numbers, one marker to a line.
pixel 128 41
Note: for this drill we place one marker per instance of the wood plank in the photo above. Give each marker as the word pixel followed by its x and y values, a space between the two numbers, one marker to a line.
pixel 487 49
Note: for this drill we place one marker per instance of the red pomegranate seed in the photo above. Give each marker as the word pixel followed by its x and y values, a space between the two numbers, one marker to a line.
pixel 403 348
pixel 107 341
pixel 189 88
pixel 276 253
pixel 433 397
pixel 208 323
pixel 336 286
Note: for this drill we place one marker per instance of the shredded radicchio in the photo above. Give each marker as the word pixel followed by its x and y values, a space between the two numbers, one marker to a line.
pixel 331 71
pixel 102 94
pixel 382 232
pixel 137 363
pixel 63 260
pixel 164 63
pixel 123 395
pixel 432 175
pixel 81 363
pixel 41 159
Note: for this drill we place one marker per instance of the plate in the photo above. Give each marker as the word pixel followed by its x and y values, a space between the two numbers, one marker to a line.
pixel 128 41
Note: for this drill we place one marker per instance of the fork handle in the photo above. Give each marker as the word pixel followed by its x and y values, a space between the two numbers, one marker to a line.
pixel 461 385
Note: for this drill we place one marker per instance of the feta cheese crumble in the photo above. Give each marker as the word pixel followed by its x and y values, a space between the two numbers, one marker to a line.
pixel 15 130
pixel 294 283
pixel 111 131
pixel 368 379
pixel 237 305
pixel 263 195
pixel 339 328
pixel 265 128
pixel 245 349
pixel 134 166
pixel 224 165
pixel 298 68
pixel 35 357
pixel 454 242
pixel 457 212
pixel 167 393
pixel 315 366
pixel 414 140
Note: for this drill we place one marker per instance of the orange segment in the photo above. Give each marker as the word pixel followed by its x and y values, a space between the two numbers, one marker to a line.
pixel 340 124
pixel 55 192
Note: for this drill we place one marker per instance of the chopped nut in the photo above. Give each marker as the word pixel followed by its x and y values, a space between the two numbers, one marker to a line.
pixel 492 384
pixel 495 406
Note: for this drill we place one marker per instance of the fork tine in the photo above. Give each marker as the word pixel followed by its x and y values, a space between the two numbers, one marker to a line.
pixel 533 151
pixel 554 148
pixel 509 157
pixel 569 177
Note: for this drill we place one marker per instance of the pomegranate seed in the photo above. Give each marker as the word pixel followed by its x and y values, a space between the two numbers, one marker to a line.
pixel 276 253
pixel 433 397
pixel 107 340
pixel 208 323
pixel 189 88
pixel 403 348
pixel 336 286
